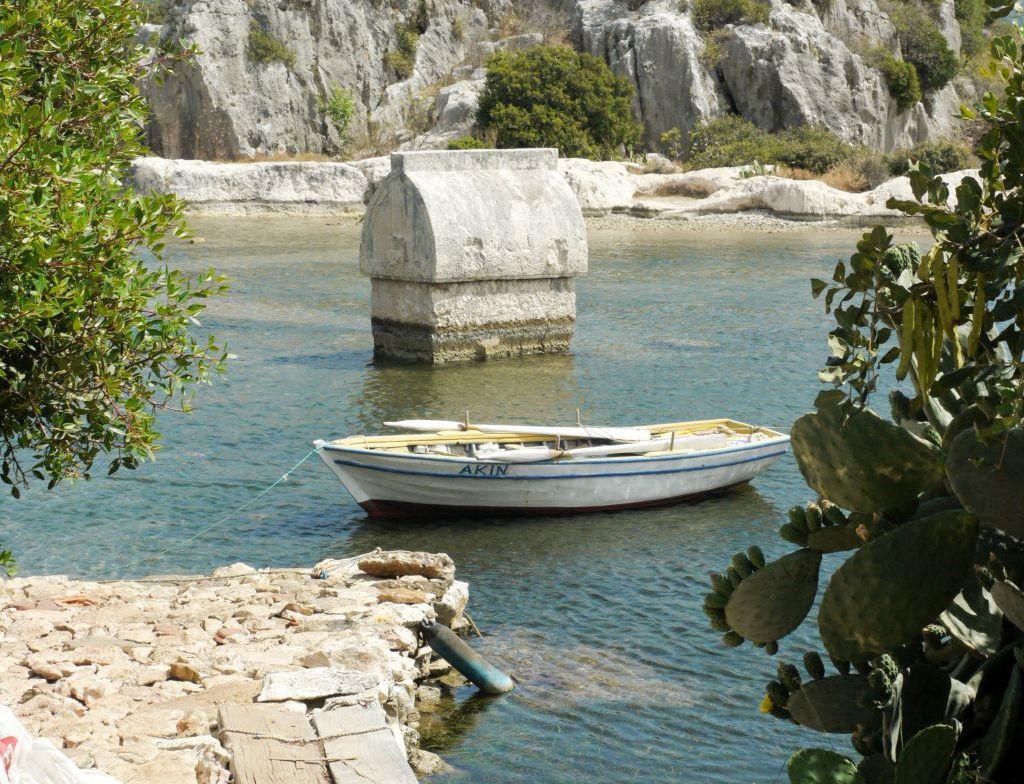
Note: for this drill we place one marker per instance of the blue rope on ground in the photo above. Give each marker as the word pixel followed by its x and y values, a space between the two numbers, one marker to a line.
pixel 243 507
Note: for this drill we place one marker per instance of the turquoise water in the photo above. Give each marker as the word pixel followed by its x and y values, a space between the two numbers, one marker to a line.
pixel 598 616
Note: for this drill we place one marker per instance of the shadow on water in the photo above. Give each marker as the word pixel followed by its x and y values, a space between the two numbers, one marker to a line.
pixel 485 543
pixel 453 718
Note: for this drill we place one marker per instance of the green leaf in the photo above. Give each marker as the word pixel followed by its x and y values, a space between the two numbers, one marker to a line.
pixel 820 766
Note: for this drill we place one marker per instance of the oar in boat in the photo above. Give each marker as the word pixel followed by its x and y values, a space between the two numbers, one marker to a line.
pixel 601 433
pixel 535 454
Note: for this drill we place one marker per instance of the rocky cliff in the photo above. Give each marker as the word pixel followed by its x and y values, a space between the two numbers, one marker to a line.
pixel 801 66
pixel 230 102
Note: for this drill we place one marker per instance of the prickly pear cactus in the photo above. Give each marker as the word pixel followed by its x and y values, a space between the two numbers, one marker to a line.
pixel 860 461
pixel 974 619
pixel 822 527
pixel 928 757
pixel 913 573
pixel 772 601
pixel 831 704
pixel 825 703
pixel 1010 600
pixel 821 766
pixel 921 616
pixel 988 478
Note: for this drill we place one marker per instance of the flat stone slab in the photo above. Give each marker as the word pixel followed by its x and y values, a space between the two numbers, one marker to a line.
pixel 314 683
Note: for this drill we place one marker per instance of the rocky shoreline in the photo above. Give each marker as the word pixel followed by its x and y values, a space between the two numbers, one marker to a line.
pixel 602 188
pixel 126 676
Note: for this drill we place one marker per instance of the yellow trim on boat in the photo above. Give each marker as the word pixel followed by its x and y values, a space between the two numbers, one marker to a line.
pixel 400 441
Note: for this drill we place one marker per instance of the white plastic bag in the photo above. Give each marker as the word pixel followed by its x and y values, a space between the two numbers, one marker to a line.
pixel 28 760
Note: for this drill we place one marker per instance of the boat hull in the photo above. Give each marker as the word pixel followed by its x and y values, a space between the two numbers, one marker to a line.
pixel 390 484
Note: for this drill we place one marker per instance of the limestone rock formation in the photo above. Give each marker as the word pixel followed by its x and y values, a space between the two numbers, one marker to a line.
pixel 600 187
pixel 253 187
pixel 860 20
pixel 805 66
pixel 798 69
pixel 659 51
pixel 227 103
pixel 456 113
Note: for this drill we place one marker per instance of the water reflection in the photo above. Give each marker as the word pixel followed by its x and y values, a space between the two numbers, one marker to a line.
pixel 535 542
pixel 453 718
pixel 527 389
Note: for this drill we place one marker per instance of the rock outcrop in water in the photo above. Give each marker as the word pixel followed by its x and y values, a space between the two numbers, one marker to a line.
pixel 600 188
pixel 411 68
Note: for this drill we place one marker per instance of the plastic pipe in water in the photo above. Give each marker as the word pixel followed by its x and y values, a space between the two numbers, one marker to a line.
pixel 453 649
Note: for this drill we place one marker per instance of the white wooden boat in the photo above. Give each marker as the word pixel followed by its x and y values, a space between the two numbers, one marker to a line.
pixel 512 469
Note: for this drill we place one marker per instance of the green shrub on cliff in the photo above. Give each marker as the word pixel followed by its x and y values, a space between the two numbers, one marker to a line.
pixel 467 143
pixel 811 148
pixel 94 341
pixel 262 47
pixel 939 156
pixel 711 15
pixel 901 78
pixel 339 106
pixel 971 15
pixel 730 140
pixel 733 141
pixel 156 11
pixel 924 47
pixel 402 59
pixel 552 96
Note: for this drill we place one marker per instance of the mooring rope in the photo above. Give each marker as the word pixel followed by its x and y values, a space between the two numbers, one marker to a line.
pixel 221 521
pixel 316 739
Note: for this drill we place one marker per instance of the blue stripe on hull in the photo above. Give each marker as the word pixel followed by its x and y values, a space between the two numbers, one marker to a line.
pixel 536 477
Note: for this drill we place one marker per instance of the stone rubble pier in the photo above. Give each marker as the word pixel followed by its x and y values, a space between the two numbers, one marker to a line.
pixel 185 680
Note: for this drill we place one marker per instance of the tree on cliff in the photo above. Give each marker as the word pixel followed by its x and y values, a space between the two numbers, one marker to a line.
pixel 93 340
pixel 552 96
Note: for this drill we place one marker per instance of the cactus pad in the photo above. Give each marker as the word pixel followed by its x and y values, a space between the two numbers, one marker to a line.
pixel 1010 599
pixel 830 704
pixel 876 769
pixel 927 757
pixel 1000 736
pixel 974 620
pixel 896 584
pixel 834 538
pixel 865 463
pixel 820 766
pixel 986 478
pixel 774 601
pixel 930 696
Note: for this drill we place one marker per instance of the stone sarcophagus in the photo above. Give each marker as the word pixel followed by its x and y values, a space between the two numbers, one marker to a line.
pixel 472 255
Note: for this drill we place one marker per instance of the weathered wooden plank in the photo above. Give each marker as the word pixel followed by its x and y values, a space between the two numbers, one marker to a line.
pixel 259 760
pixel 372 754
